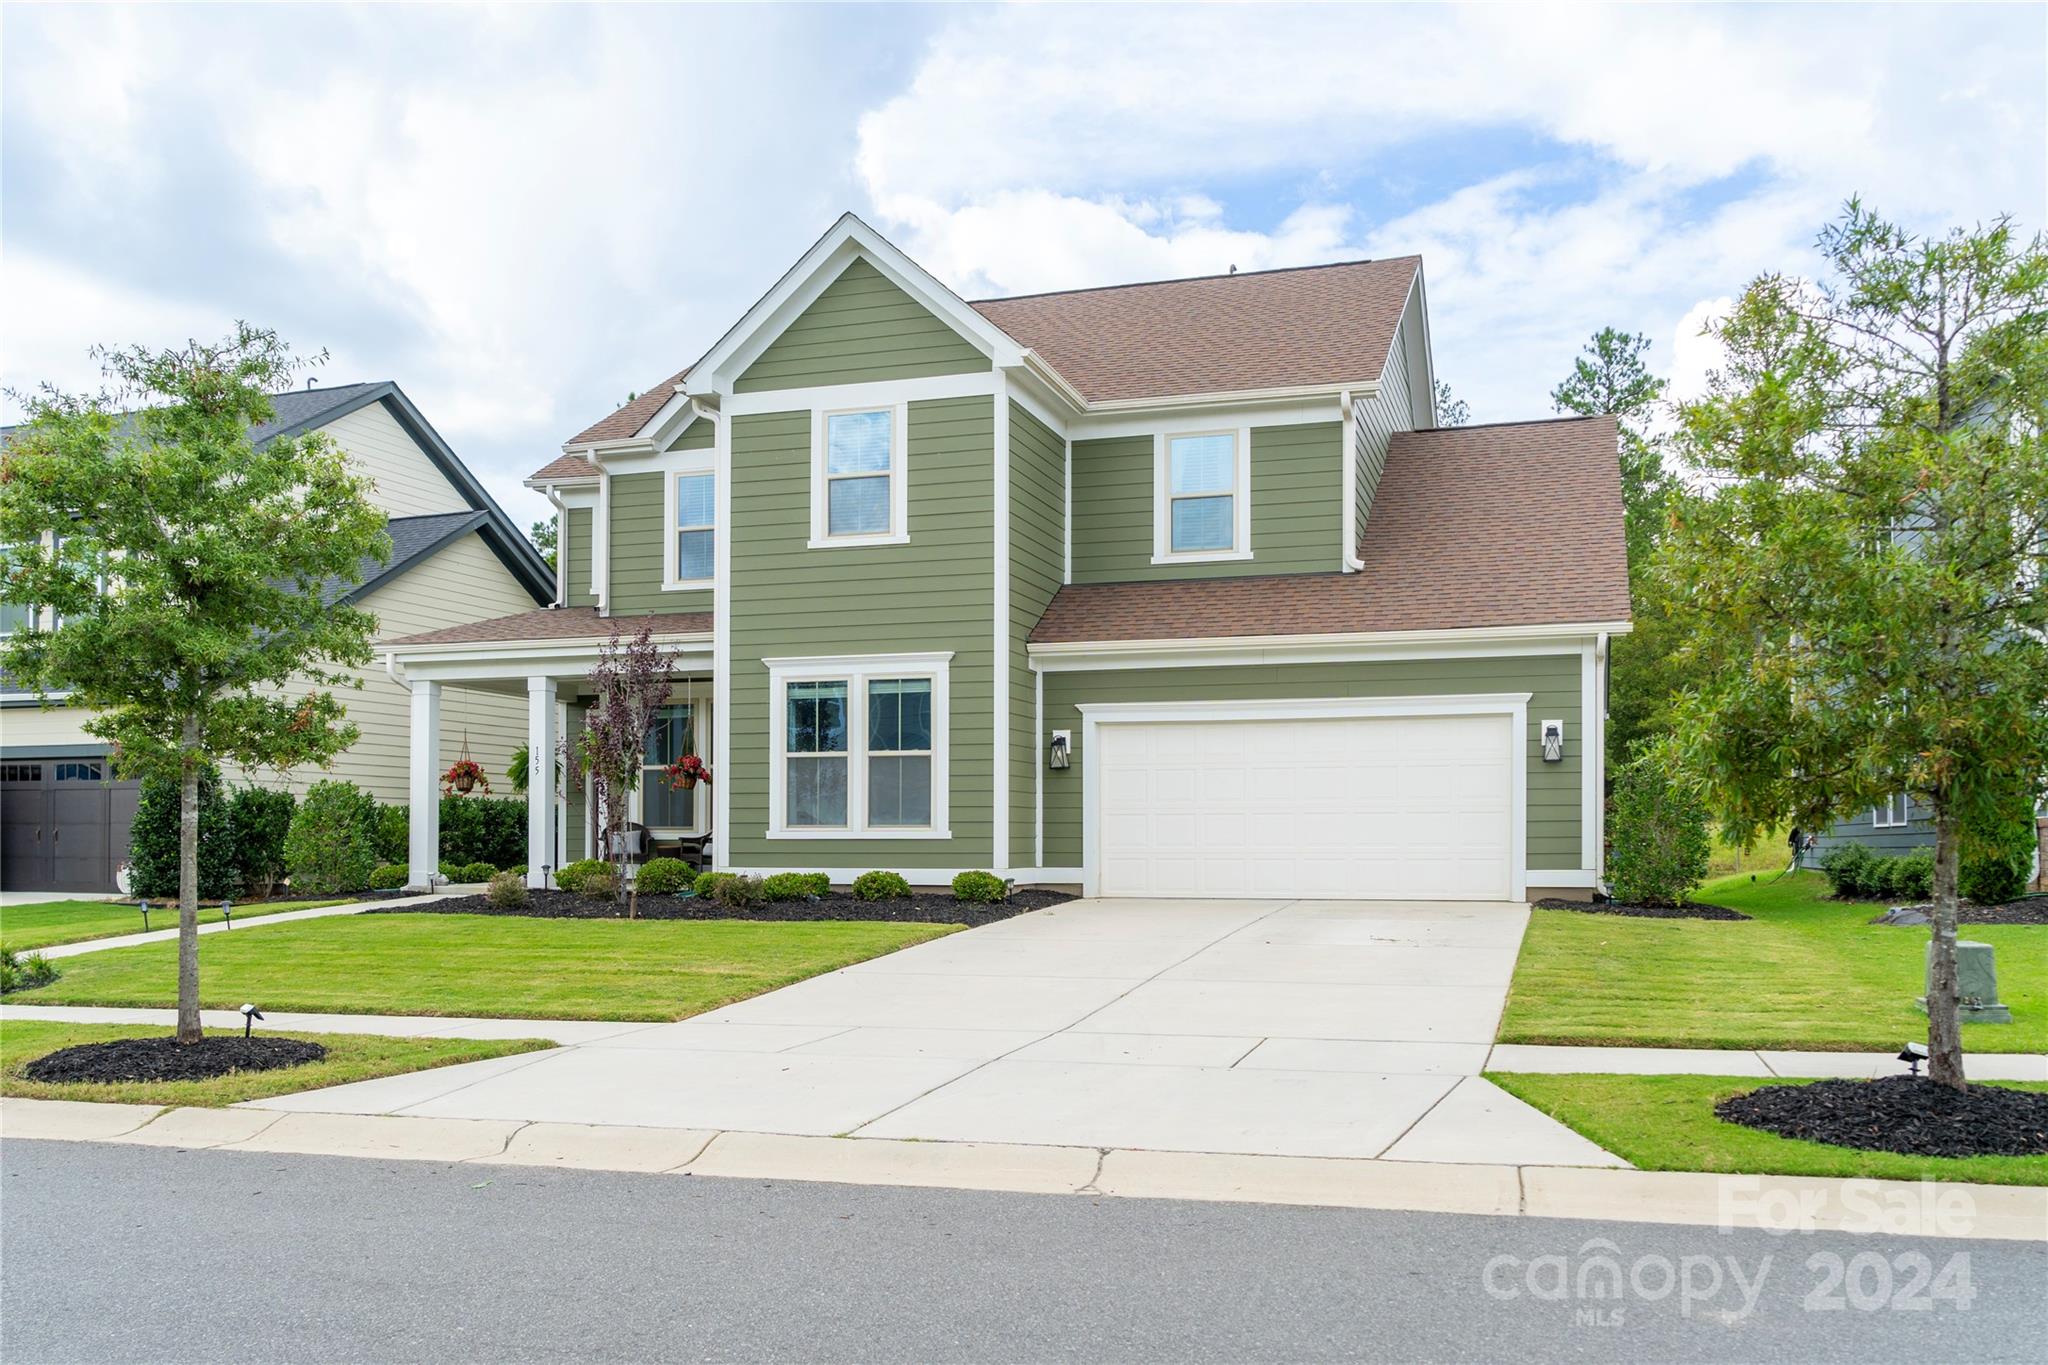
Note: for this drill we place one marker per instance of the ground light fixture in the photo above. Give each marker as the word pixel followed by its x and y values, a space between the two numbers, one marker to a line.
pixel 144 908
pixel 250 1014
pixel 227 912
pixel 1912 1055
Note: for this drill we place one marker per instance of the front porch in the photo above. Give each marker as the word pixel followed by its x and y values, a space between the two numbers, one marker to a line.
pixel 546 656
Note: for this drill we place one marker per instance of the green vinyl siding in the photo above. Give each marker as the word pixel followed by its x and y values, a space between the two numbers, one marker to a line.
pixel 933 594
pixel 573 819
pixel 699 435
pixel 1377 420
pixel 1037 563
pixel 860 329
pixel 575 552
pixel 634 567
pixel 1554 812
pixel 1297 507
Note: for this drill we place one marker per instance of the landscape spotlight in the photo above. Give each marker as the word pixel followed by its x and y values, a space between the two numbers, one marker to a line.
pixel 1913 1055
pixel 227 912
pixel 250 1014
pixel 144 907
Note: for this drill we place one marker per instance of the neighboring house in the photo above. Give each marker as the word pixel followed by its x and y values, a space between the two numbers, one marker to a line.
pixel 1903 825
pixel 1156 590
pixel 455 557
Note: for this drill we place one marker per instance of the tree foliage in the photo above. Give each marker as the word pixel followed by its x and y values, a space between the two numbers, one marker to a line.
pixel 630 683
pixel 190 571
pixel 153 841
pixel 1658 834
pixel 1862 563
pixel 332 846
pixel 1451 411
pixel 545 536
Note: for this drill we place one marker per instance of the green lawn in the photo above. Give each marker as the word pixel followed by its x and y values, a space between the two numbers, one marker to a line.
pixel 498 966
pixel 23 927
pixel 1805 973
pixel 350 1057
pixel 1667 1123
pixel 1770 853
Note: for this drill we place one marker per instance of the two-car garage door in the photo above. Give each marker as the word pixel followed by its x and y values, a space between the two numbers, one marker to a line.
pixel 1347 807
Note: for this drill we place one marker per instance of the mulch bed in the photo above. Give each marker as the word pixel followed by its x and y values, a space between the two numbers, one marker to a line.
pixel 2033 910
pixel 1905 1114
pixel 924 908
pixel 166 1059
pixel 1607 907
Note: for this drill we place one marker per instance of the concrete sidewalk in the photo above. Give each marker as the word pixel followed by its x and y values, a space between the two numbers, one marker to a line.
pixel 95 945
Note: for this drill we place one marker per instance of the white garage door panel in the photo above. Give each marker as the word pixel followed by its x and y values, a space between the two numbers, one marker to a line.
pixel 1358 808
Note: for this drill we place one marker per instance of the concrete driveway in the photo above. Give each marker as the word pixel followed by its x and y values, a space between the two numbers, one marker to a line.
pixel 1304 1028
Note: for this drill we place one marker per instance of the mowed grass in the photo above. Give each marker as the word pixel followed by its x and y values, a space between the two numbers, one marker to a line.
pixel 496 966
pixel 23 927
pixel 1667 1123
pixel 1805 973
pixel 350 1057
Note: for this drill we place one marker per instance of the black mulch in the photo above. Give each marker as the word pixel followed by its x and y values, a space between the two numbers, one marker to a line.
pixel 2033 910
pixel 1607 907
pixel 923 908
pixel 1909 1115
pixel 166 1059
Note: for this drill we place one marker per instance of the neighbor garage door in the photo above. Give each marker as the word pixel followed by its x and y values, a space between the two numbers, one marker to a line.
pixel 1379 808
pixel 63 824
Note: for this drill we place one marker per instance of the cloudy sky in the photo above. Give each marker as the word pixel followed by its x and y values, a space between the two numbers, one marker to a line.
pixel 524 213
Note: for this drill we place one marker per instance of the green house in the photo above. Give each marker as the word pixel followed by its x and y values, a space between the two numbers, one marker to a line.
pixel 1158 590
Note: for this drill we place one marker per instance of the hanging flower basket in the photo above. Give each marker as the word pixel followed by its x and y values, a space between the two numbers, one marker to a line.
pixel 465 777
pixel 687 771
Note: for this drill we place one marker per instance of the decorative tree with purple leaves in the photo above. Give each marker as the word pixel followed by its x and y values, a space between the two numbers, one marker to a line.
pixel 631 683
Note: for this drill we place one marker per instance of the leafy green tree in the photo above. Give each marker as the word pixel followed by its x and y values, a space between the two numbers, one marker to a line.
pixel 186 572
pixel 1612 376
pixel 1451 411
pixel 1863 558
pixel 544 536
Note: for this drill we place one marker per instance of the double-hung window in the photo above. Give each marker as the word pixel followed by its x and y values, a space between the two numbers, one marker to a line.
pixel 859 486
pixel 861 747
pixel 1893 814
pixel 692 529
pixel 1203 498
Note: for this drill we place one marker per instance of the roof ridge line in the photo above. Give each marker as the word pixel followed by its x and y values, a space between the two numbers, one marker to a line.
pixel 1516 422
pixel 1192 279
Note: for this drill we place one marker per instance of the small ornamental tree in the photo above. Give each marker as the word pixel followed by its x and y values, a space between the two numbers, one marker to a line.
pixel 1658 834
pixel 184 564
pixel 1862 561
pixel 630 684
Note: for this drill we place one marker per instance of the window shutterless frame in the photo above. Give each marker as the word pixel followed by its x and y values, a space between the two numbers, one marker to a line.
pixel 689 524
pixel 1201 494
pixel 861 473
pixel 1895 813
pixel 859 676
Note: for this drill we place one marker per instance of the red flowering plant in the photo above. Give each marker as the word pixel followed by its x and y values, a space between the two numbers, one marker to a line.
pixel 464 777
pixel 687 772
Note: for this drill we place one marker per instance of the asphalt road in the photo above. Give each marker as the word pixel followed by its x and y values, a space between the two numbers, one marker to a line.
pixel 115 1253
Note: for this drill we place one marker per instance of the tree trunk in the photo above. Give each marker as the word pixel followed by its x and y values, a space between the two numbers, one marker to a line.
pixel 1944 1022
pixel 188 884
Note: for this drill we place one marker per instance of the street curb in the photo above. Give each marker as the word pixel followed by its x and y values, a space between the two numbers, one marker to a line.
pixel 1770 1202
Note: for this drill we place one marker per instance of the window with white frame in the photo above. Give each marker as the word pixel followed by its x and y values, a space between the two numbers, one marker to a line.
pixel 1893 814
pixel 861 747
pixel 14 616
pixel 1202 501
pixel 859 486
pixel 692 521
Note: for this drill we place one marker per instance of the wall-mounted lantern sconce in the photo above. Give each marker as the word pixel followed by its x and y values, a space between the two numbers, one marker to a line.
pixel 1553 741
pixel 1060 753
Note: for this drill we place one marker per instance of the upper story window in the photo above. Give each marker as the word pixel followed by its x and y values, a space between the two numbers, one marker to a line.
pixel 1893 814
pixel 1202 504
pixel 691 501
pixel 14 616
pixel 859 485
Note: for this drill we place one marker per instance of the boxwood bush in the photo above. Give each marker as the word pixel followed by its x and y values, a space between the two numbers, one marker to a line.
pixel 706 884
pixel 796 886
pixel 331 848
pixel 663 877
pixel 153 842
pixel 880 886
pixel 1855 873
pixel 980 888
pixel 389 877
pixel 476 872
pixel 593 877
pixel 1658 835
pixel 735 892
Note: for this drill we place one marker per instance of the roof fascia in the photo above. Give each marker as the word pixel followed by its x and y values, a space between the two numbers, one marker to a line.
pixel 383 578
pixel 1349 640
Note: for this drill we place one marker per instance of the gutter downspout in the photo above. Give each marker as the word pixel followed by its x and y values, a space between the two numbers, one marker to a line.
pixel 1348 552
pixel 391 670
pixel 1599 757
pixel 561 546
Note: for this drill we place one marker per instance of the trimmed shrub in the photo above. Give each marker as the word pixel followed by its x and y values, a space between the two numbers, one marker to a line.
pixel 706 884
pixel 592 877
pixel 25 972
pixel 1909 877
pixel 506 889
pixel 394 833
pixel 450 871
pixel 331 849
pixel 1659 844
pixel 476 872
pixel 880 886
pixel 1855 873
pixel 153 842
pixel 519 868
pixel 261 820
pixel 663 877
pixel 389 877
pixel 980 888
pixel 1997 861
pixel 483 829
pixel 1848 870
pixel 796 886
pixel 738 893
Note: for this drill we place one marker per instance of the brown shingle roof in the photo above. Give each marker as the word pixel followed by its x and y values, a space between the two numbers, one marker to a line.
pixel 633 415
pixel 561 623
pixel 1472 527
pixel 567 467
pixel 1267 329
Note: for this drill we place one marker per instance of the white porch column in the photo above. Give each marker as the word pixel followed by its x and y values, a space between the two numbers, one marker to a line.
pixel 540 780
pixel 424 787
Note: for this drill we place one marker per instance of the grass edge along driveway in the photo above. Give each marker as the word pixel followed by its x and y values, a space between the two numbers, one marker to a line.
pixel 1667 1123
pixel 495 966
pixel 48 924
pixel 350 1057
pixel 1806 973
